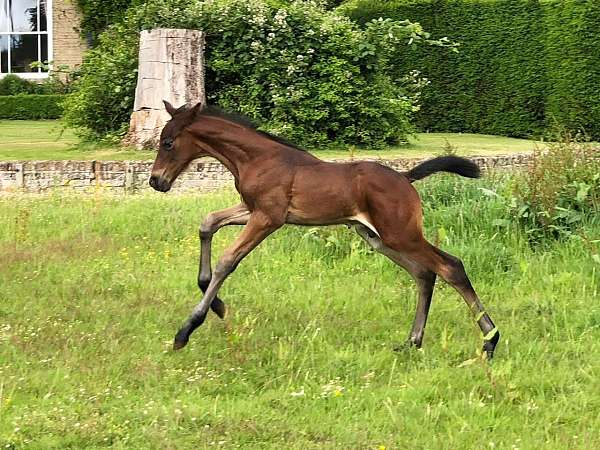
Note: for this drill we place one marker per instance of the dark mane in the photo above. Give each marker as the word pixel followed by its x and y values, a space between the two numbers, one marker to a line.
pixel 240 119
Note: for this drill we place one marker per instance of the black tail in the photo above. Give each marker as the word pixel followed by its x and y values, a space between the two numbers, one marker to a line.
pixel 452 164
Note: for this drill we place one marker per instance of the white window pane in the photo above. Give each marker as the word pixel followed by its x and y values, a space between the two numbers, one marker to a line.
pixel 4 15
pixel 18 15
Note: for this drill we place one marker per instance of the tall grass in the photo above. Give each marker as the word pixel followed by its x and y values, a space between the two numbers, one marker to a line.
pixel 92 290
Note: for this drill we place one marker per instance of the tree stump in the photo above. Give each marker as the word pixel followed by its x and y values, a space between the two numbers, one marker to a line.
pixel 171 67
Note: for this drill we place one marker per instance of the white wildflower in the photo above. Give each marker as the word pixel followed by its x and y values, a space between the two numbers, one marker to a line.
pixel 300 393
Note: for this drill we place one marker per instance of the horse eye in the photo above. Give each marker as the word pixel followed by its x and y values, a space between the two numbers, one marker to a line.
pixel 168 144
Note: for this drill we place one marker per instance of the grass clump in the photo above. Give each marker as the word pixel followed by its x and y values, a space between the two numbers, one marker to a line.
pixel 560 188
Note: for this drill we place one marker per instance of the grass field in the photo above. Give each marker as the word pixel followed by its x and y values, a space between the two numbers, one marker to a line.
pixel 92 290
pixel 27 140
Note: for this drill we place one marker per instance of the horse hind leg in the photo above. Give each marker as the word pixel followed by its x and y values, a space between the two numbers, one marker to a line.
pixel 452 270
pixel 424 278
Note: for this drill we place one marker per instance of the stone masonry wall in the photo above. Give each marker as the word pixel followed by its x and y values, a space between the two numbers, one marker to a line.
pixel 132 176
pixel 68 45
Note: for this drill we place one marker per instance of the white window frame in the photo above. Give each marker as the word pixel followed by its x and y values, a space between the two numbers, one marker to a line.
pixel 49 32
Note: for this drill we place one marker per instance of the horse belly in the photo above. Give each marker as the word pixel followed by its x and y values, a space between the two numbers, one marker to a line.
pixel 322 199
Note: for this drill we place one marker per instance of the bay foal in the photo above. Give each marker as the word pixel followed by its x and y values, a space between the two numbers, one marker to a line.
pixel 280 183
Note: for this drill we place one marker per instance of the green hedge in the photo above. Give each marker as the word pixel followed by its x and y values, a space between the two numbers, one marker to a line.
pixel 523 65
pixel 573 64
pixel 14 85
pixel 30 106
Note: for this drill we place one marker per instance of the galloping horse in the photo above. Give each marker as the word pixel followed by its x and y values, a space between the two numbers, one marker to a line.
pixel 280 183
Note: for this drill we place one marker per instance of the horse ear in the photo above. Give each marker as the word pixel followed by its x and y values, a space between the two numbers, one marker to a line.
pixel 170 108
pixel 197 109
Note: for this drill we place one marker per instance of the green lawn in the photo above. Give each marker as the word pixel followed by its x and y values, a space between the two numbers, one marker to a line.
pixel 93 288
pixel 28 140
pixel 48 139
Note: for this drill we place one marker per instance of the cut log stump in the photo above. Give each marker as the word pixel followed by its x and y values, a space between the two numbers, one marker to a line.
pixel 171 67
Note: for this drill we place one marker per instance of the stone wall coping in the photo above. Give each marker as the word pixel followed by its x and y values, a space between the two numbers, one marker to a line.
pixel 205 160
pixel 204 174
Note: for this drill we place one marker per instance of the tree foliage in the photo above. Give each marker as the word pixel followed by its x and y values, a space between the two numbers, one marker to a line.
pixel 309 74
pixel 97 15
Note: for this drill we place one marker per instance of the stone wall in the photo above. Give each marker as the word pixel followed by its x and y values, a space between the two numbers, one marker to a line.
pixel 132 176
pixel 68 45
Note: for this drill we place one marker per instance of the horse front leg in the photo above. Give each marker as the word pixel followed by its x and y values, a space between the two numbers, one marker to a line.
pixel 258 227
pixel 236 215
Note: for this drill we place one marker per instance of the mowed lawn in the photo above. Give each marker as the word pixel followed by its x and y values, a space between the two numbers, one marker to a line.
pixel 92 290
pixel 49 140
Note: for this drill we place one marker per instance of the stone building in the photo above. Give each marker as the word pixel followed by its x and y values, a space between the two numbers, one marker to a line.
pixel 39 31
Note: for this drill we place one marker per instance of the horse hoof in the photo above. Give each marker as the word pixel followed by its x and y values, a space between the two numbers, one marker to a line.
pixel 406 346
pixel 490 345
pixel 218 307
pixel 178 345
pixel 181 340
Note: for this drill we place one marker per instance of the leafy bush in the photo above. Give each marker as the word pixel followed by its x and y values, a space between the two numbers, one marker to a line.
pixel 523 64
pixel 104 86
pixel 14 85
pixel 97 15
pixel 303 72
pixel 560 189
pixel 31 106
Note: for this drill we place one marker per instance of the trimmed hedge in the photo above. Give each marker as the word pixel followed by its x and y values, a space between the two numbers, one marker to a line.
pixel 31 106
pixel 14 85
pixel 572 31
pixel 523 65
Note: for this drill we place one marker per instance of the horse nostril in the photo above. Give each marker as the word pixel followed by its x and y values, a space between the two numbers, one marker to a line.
pixel 153 181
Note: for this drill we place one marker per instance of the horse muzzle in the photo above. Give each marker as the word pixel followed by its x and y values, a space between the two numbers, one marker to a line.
pixel 159 183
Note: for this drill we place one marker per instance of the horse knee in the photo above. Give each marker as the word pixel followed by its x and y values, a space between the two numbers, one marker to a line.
pixel 207 226
pixel 205 231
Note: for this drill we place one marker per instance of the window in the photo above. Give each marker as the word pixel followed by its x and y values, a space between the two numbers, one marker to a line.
pixel 25 37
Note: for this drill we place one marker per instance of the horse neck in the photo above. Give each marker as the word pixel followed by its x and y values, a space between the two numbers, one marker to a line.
pixel 231 144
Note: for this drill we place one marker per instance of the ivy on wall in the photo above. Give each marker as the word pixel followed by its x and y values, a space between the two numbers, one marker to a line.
pixel 523 67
